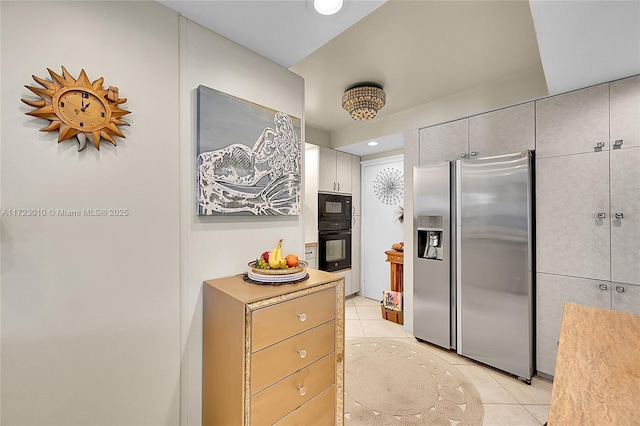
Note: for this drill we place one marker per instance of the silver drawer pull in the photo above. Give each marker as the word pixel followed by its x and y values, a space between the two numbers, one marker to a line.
pixel 302 353
pixel 463 155
pixel 619 216
pixel 619 142
pixel 600 145
pixel 308 252
pixel 620 289
pixel 601 215
pixel 473 153
pixel 302 390
pixel 302 317
pixel 603 287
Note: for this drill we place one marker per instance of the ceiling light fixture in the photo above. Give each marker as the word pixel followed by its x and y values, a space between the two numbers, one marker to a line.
pixel 327 7
pixel 372 143
pixel 364 101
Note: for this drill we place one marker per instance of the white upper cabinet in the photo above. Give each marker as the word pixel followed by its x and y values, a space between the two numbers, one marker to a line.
pixel 505 131
pixel 444 142
pixel 625 112
pixel 573 123
pixel 334 171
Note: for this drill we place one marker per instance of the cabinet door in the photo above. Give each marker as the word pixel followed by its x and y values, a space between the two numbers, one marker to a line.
pixel 552 291
pixel 444 142
pixel 625 297
pixel 355 254
pixel 343 172
pixel 505 131
pixel 625 110
pixel 570 192
pixel 356 196
pixel 327 170
pixel 573 122
pixel 625 200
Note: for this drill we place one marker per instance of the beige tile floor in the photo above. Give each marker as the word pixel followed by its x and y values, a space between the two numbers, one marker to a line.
pixel 506 400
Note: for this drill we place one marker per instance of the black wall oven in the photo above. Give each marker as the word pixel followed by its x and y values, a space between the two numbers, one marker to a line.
pixel 334 232
pixel 334 250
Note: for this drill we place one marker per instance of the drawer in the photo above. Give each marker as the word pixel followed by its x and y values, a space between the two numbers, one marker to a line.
pixel 275 323
pixel 282 359
pixel 310 252
pixel 320 411
pixel 275 402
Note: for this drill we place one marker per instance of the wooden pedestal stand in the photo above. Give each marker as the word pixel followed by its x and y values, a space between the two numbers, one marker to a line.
pixel 395 258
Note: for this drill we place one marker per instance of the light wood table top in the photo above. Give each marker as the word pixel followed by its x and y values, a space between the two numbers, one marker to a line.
pixel 597 380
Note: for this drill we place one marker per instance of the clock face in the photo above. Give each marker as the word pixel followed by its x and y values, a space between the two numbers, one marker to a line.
pixel 78 107
pixel 82 109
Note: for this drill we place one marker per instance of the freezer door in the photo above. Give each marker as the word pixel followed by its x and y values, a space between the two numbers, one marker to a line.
pixel 432 260
pixel 495 299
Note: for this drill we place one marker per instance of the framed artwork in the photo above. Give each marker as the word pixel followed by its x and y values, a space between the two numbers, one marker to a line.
pixel 392 300
pixel 248 157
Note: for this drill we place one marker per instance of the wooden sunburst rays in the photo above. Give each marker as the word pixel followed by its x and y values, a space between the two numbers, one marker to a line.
pixel 45 108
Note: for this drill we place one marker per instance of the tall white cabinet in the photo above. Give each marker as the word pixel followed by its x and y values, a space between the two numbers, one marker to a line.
pixel 587 205
pixel 328 170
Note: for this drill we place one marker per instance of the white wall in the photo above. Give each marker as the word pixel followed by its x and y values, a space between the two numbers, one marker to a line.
pixel 90 305
pixel 215 247
pixel 102 317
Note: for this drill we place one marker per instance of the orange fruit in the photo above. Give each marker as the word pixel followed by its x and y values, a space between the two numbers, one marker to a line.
pixel 292 260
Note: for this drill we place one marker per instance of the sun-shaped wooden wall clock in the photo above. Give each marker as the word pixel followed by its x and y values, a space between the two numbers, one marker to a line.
pixel 78 107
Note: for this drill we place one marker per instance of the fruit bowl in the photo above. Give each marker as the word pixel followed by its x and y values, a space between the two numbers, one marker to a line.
pixel 301 265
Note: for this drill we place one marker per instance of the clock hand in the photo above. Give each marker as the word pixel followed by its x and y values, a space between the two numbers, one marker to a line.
pixel 85 107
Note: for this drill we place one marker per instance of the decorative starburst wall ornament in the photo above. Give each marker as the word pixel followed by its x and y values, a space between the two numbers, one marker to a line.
pixel 78 107
pixel 388 186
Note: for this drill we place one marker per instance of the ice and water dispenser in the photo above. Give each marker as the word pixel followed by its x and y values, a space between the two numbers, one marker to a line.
pixel 430 237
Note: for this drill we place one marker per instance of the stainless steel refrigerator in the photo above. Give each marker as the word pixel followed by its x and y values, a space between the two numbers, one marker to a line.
pixel 473 262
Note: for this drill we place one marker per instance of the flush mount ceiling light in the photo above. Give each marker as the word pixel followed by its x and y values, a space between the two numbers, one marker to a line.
pixel 364 101
pixel 372 143
pixel 327 7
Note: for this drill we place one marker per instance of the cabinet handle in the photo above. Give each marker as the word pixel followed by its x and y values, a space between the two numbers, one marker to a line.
pixel 603 287
pixel 619 216
pixel 334 186
pixel 601 215
pixel 620 289
pixel 473 153
pixel 599 145
pixel 618 143
pixel 353 210
pixel 302 317
pixel 302 353
pixel 338 186
pixel 302 390
pixel 463 155
pixel 308 252
pixel 353 220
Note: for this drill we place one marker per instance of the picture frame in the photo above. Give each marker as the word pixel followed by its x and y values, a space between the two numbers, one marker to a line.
pixel 248 157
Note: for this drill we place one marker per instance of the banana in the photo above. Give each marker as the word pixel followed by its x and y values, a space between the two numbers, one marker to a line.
pixel 275 257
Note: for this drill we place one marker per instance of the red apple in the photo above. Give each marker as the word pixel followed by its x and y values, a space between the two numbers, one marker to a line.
pixel 265 256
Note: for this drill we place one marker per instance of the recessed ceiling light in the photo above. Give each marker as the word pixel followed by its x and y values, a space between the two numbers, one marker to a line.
pixel 372 143
pixel 327 7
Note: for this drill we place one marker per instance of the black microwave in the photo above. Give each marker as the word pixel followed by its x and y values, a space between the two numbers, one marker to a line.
pixel 334 208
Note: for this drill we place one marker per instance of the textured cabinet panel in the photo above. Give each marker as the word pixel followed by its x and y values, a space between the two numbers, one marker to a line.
pixel 444 142
pixel 327 170
pixel 573 122
pixel 625 111
pixel 343 172
pixel 625 297
pixel 552 291
pixel 570 192
pixel 625 199
pixel 355 185
pixel 505 131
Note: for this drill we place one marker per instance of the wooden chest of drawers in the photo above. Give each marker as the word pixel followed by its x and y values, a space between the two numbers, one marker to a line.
pixel 273 354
